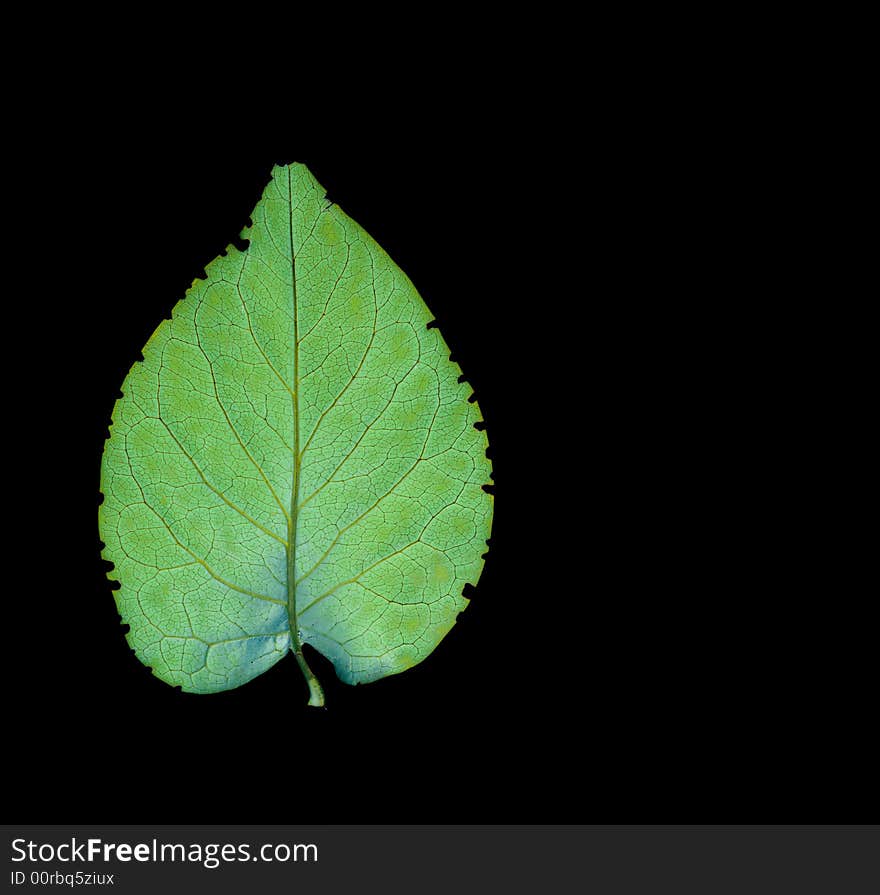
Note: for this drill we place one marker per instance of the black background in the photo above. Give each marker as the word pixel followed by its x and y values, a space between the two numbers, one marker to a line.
pixel 590 666
pixel 625 646
pixel 620 247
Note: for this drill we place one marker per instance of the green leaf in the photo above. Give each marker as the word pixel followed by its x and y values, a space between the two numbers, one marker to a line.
pixel 294 461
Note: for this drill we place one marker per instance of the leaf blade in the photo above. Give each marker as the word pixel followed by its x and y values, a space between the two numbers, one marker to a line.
pixel 295 446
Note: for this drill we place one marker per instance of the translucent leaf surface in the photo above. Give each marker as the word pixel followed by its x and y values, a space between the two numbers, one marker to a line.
pixel 294 461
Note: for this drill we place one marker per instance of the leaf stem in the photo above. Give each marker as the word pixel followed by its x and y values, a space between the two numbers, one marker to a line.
pixel 316 694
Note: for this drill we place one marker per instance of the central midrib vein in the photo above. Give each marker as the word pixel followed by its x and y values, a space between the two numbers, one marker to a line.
pixel 316 694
